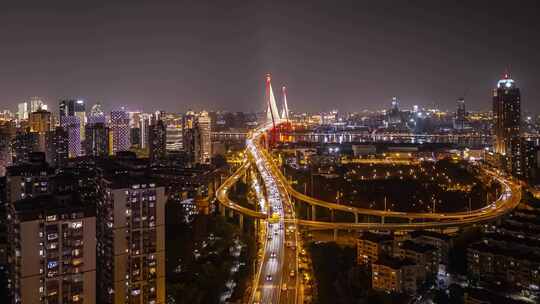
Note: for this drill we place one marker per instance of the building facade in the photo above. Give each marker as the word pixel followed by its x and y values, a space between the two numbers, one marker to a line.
pixel 506 124
pixel 53 248
pixel 119 128
pixel 131 242
pixel 97 140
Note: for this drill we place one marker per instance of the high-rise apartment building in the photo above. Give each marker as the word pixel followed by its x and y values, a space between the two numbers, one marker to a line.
pixel 51 234
pixel 23 144
pixel 506 123
pixel 131 241
pixel 57 152
pixel 119 128
pixel 28 179
pixel 53 241
pixel 6 129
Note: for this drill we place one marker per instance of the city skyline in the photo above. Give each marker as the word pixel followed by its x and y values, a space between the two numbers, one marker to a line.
pixel 269 152
pixel 141 55
pixel 387 105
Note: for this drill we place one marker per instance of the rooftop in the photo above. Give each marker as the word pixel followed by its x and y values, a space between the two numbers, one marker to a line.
pixel 394 263
pixel 423 248
pixel 41 206
pixel 376 237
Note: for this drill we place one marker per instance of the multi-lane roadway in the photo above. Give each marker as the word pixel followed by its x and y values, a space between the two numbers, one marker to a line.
pixel 277 278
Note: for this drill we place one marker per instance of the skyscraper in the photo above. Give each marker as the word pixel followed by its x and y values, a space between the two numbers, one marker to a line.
pixel 144 123
pixel 460 120
pixel 97 140
pixel 57 147
pixel 174 132
pixel 188 135
pixel 203 139
pixel 72 107
pixel 506 123
pixel 157 140
pixel 40 123
pixel 97 115
pixel 36 104
pixel 22 111
pixel 72 126
pixel 120 130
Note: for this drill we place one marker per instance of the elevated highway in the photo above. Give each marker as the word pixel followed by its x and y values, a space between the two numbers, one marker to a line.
pixel 507 201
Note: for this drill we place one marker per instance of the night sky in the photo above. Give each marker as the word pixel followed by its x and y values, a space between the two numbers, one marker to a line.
pixel 350 55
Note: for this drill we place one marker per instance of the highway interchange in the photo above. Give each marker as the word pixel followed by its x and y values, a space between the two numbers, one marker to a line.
pixel 277 280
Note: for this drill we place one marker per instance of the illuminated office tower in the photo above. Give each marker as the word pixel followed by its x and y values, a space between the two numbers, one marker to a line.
pixel 119 128
pixel 506 123
pixel 135 128
pixel 144 123
pixel 131 241
pixel 203 138
pixel 40 123
pixel 36 104
pixel 72 107
pixel 174 132
pixel 72 126
pixel 96 115
pixel 22 111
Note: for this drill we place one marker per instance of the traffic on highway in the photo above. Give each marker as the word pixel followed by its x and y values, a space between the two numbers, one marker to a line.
pixel 276 281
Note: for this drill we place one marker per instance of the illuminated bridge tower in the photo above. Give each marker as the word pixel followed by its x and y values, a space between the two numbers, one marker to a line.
pixel 272 112
pixel 285 113
pixel 506 123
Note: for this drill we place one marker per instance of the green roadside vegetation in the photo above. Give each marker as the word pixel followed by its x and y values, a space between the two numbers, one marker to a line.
pixel 208 260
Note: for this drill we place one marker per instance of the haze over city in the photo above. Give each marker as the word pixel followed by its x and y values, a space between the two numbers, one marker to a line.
pixel 269 152
pixel 354 55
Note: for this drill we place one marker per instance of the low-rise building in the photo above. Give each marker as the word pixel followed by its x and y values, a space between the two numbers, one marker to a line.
pixel 495 262
pixel 442 242
pixel 371 246
pixel 423 255
pixel 395 275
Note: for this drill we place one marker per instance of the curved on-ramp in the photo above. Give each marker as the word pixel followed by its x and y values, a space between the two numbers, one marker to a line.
pixel 507 201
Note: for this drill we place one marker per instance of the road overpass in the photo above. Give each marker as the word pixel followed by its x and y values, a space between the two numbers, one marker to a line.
pixel 508 200
pixel 276 280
